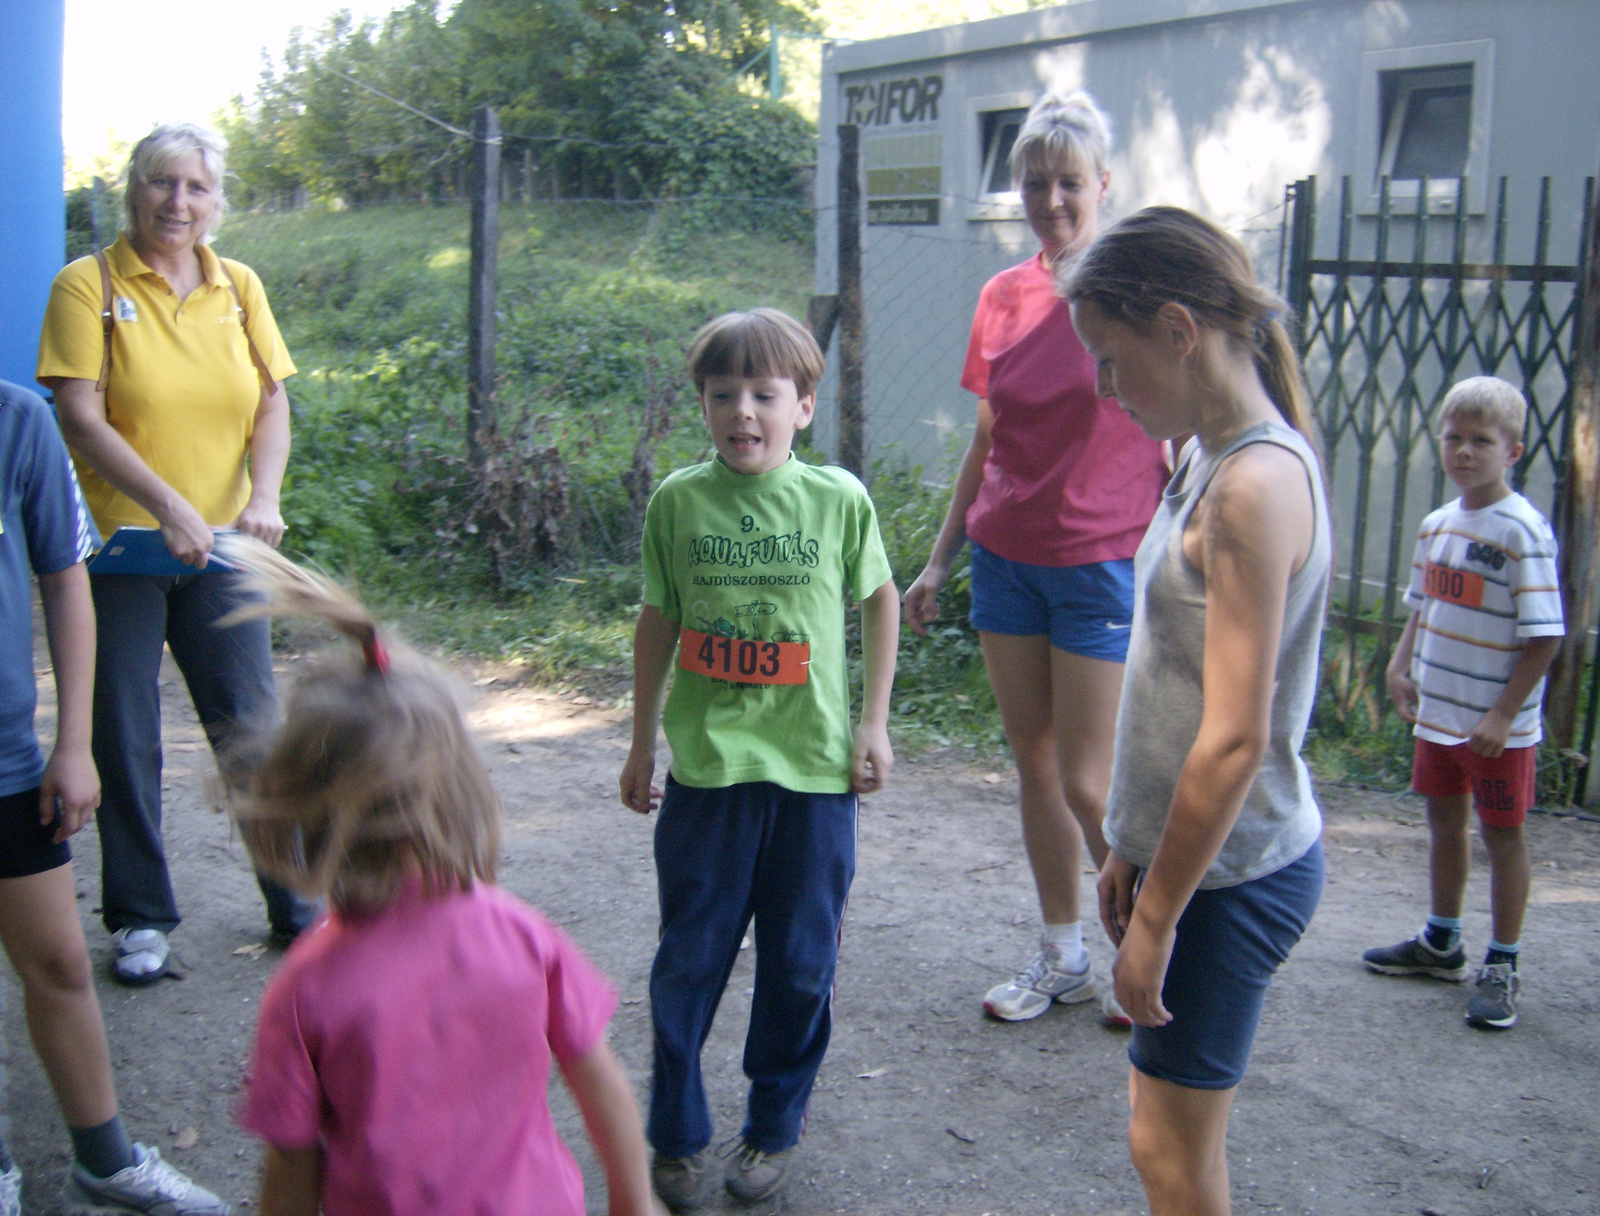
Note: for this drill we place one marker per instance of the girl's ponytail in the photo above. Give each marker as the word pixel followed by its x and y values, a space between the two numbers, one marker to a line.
pixel 1167 254
pixel 372 780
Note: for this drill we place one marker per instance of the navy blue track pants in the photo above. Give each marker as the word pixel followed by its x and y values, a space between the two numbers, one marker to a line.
pixel 724 856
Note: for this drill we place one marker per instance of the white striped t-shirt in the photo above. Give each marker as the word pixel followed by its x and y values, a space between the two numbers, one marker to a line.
pixel 1482 583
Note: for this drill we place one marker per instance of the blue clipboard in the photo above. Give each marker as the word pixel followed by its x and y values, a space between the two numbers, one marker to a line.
pixel 143 551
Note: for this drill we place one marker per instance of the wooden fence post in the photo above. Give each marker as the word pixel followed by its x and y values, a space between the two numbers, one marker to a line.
pixel 1578 507
pixel 852 323
pixel 483 278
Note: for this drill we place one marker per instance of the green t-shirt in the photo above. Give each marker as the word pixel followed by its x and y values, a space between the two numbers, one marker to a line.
pixel 746 562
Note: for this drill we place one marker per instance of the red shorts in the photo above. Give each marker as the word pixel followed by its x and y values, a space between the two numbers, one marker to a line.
pixel 1501 788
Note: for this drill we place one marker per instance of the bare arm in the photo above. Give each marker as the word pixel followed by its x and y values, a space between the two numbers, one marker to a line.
pixel 1257 522
pixel 922 597
pixel 1488 737
pixel 269 459
pixel 1402 688
pixel 291 1182
pixel 70 781
pixel 880 636
pixel 654 638
pixel 600 1087
pixel 82 410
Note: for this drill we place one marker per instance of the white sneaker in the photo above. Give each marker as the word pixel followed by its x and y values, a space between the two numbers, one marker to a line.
pixel 11 1191
pixel 151 1186
pixel 141 956
pixel 1112 1013
pixel 1041 982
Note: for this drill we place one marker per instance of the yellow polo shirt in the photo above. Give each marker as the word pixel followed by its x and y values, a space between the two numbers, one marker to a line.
pixel 183 391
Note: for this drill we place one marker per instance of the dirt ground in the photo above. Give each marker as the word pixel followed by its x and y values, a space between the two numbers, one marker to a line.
pixel 1365 1094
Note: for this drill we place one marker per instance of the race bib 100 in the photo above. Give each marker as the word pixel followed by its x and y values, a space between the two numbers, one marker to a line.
pixel 1461 587
pixel 743 660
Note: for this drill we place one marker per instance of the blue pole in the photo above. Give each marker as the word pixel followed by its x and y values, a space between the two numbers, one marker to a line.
pixel 33 213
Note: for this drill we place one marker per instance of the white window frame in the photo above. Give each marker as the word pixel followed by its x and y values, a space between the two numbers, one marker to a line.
pixel 1000 204
pixel 1376 146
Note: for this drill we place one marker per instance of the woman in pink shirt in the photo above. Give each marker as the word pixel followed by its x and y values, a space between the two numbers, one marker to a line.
pixel 1054 492
pixel 405 1045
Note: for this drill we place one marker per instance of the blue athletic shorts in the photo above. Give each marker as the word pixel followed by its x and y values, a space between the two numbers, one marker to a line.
pixel 25 844
pixel 1229 943
pixel 1086 610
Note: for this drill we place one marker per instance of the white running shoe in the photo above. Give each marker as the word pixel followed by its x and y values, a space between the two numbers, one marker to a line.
pixel 151 1186
pixel 1111 1011
pixel 1041 982
pixel 11 1191
pixel 141 957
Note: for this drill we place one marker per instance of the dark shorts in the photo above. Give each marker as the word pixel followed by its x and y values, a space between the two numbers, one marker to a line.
pixel 1501 787
pixel 1229 943
pixel 25 846
pixel 1086 610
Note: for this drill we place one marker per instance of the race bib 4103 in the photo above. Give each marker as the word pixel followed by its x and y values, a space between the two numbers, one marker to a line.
pixel 743 660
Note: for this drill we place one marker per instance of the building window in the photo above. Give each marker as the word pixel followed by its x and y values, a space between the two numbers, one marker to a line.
pixel 999 131
pixel 1424 111
pixel 1427 124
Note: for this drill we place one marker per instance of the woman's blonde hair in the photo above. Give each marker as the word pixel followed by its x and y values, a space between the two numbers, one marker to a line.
pixel 372 774
pixel 157 151
pixel 1168 255
pixel 1070 128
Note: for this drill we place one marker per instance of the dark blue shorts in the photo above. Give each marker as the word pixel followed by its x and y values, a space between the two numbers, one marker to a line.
pixel 1229 943
pixel 1086 610
pixel 25 845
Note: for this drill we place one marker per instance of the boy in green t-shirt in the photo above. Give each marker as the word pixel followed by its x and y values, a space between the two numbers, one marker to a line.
pixel 747 560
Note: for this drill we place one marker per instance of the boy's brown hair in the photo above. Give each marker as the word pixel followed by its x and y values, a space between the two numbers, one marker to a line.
pixel 372 775
pixel 761 342
pixel 1488 400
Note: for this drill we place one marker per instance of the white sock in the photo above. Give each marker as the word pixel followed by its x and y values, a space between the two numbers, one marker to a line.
pixel 1068 942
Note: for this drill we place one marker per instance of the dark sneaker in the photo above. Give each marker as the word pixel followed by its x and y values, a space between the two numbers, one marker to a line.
pixel 1415 957
pixel 682 1182
pixel 150 1186
pixel 1494 999
pixel 754 1175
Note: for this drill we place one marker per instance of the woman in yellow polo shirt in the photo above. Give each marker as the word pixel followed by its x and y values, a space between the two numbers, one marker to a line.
pixel 177 418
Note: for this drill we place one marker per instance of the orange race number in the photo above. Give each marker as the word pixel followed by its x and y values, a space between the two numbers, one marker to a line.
pixel 743 660
pixel 1461 587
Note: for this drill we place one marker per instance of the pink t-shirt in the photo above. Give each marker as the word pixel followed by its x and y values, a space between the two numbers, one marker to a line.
pixel 1070 478
pixel 414 1046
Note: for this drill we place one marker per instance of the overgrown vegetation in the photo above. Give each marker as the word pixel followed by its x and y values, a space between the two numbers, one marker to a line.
pixel 596 99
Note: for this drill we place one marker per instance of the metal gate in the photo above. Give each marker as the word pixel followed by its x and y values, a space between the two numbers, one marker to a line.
pixel 1382 339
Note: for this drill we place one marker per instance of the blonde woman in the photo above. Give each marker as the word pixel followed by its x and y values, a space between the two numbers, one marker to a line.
pixel 1054 493
pixel 178 420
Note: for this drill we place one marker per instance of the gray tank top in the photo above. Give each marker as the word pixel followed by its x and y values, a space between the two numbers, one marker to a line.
pixel 1161 699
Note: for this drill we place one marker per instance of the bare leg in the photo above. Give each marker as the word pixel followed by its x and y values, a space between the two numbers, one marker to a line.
pixel 1449 852
pixel 1021 674
pixel 1178 1139
pixel 1508 880
pixel 1085 695
pixel 41 933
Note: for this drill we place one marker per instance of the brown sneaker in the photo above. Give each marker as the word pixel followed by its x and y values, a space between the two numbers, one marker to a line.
pixel 754 1175
pixel 682 1182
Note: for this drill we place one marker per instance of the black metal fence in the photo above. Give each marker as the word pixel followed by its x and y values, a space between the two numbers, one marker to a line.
pixel 1383 339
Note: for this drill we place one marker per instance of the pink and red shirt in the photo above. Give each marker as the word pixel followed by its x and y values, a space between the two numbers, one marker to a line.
pixel 1070 478
pixel 413 1046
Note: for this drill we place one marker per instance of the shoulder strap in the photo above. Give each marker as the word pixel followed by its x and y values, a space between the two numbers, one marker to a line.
pixel 107 319
pixel 244 326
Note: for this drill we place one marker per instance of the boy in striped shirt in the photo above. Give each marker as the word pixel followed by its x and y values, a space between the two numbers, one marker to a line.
pixel 1469 673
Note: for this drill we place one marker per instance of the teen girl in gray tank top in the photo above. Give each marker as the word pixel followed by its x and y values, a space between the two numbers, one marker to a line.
pixel 1161 691
pixel 1215 866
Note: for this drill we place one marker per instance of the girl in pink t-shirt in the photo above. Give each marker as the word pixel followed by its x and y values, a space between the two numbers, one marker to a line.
pixel 1055 492
pixel 404 1049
